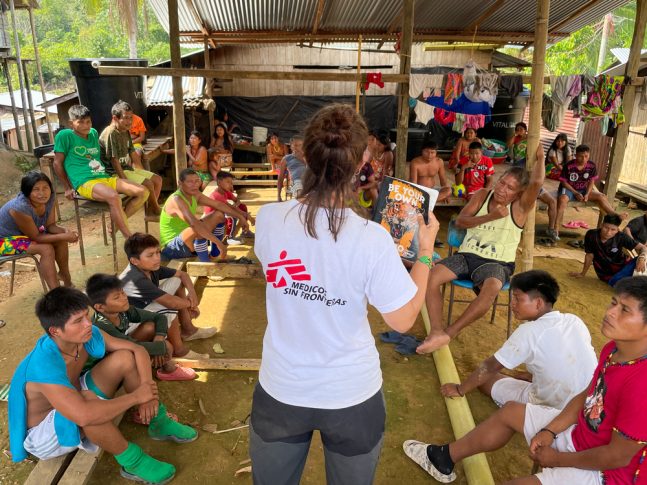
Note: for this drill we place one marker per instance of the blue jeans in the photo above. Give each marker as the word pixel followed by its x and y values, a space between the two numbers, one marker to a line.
pixel 176 249
pixel 625 272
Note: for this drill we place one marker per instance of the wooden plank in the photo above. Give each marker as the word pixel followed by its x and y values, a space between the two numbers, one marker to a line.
pixel 403 95
pixel 250 165
pixel 253 173
pixel 225 270
pixel 264 183
pixel 47 472
pixel 221 364
pixel 177 264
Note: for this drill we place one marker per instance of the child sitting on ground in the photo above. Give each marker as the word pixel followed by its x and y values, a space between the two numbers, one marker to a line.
pixel 599 437
pixel 225 193
pixel 58 403
pixel 554 346
pixel 462 147
pixel 115 316
pixel 156 288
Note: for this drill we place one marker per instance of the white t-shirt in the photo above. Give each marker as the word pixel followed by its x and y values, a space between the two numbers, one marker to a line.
pixel 557 351
pixel 559 154
pixel 318 349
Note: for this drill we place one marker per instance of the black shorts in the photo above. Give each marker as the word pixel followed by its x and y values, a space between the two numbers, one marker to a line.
pixel 471 267
pixel 351 431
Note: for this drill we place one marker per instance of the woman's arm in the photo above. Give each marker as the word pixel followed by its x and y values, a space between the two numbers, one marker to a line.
pixel 28 227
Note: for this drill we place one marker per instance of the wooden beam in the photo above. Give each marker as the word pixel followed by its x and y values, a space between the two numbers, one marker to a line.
pixel 178 96
pixel 534 120
pixel 318 15
pixel 395 23
pixel 198 19
pixel 235 74
pixel 209 90
pixel 486 15
pixel 628 102
pixel 225 270
pixel 221 364
pixel 403 101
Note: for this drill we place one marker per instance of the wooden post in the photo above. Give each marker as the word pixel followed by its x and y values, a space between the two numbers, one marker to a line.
pixel 534 118
pixel 403 102
pixel 628 102
pixel 16 42
pixel 30 102
pixel 179 132
pixel 209 91
pixel 14 111
pixel 40 73
pixel 358 86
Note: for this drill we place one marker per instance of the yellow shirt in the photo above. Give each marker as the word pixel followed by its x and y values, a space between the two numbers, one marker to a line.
pixel 497 240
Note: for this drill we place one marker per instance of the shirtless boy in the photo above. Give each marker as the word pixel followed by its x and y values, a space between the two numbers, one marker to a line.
pixel 56 405
pixel 426 167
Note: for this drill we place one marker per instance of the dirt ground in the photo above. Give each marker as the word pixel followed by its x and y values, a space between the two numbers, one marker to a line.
pixel 414 406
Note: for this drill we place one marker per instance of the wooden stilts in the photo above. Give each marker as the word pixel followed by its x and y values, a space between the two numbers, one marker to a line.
pixel 30 103
pixel 40 72
pixel 30 145
pixel 14 110
pixel 536 92
pixel 403 101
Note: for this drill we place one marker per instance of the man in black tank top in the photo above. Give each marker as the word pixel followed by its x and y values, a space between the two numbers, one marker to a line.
pixel 493 220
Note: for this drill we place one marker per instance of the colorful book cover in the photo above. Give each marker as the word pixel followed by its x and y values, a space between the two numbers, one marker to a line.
pixel 398 204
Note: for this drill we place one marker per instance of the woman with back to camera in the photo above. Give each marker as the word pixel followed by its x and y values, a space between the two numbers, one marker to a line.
pixel 28 225
pixel 323 264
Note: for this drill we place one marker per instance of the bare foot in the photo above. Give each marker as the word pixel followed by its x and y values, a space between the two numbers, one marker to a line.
pixel 433 342
pixel 153 211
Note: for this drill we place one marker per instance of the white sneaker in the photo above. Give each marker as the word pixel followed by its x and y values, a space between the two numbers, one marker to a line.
pixel 233 242
pixel 417 451
pixel 203 332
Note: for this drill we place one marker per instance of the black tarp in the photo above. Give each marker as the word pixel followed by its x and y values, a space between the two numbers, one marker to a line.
pixel 288 115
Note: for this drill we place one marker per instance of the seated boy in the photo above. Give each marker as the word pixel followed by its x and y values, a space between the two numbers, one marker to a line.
pixel 599 437
pixel 475 171
pixel 426 167
pixel 115 316
pixel 555 347
pixel 120 157
pixel 604 249
pixel 78 165
pixel 577 183
pixel 185 235
pixel 156 288
pixel 138 134
pixel 57 404
pixel 225 193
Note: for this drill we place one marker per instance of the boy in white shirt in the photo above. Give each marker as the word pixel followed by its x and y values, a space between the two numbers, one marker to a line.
pixel 554 346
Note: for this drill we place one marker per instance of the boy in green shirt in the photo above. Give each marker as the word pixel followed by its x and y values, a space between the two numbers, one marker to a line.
pixel 77 163
pixel 116 317
pixel 120 157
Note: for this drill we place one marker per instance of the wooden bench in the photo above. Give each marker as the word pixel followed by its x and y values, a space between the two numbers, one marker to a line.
pixel 260 183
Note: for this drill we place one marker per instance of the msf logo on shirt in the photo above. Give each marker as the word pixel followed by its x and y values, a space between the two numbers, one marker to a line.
pixel 292 268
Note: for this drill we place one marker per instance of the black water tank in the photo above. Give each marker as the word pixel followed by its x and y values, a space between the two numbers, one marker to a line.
pixel 416 139
pixel 506 113
pixel 99 92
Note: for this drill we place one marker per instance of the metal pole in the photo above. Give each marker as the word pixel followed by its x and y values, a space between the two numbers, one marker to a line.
pixel 30 145
pixel 14 110
pixel 32 114
pixel 40 73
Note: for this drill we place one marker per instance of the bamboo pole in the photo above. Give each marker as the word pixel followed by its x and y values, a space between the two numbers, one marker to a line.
pixel 628 103
pixel 179 130
pixel 534 118
pixel 40 73
pixel 14 110
pixel 30 102
pixel 209 91
pixel 403 102
pixel 358 86
pixel 236 74
pixel 477 470
pixel 16 41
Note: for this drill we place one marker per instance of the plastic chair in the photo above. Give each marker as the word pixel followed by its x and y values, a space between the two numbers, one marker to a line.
pixel 15 257
pixel 455 238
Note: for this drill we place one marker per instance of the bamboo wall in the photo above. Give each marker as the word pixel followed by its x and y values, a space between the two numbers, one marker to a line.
pixel 283 57
pixel 634 166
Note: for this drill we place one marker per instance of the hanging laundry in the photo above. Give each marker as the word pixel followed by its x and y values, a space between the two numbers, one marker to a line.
pixel 469 81
pixel 444 117
pixel 513 84
pixel 454 87
pixel 605 98
pixel 420 83
pixel 373 78
pixel 588 83
pixel 561 87
pixel 459 123
pixel 547 118
pixel 461 105
pixel 576 87
pixel 423 112
pixel 474 121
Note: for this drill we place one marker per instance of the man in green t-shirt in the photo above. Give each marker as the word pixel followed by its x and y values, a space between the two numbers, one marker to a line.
pixel 77 163
pixel 121 159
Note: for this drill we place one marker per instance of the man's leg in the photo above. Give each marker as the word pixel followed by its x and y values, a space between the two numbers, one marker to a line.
pixel 550 201
pixel 444 194
pixel 153 206
pixel 602 202
pixel 478 307
pixel 174 336
pixel 625 272
pixel 47 262
pixel 139 194
pixel 103 193
pixel 562 202
pixel 62 256
pixel 439 275
pixel 184 316
pixel 486 387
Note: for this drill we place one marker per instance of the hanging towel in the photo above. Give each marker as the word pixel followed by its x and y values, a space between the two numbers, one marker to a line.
pixel 512 84
pixel 419 83
pixel 453 88
pixel 474 121
pixel 423 112
pixel 459 123
pixel 547 118
pixel 576 87
pixel 561 86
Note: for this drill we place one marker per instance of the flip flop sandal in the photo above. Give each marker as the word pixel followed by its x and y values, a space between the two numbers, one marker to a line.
pixel 572 225
pixel 574 244
pixel 179 374
pixel 545 241
pixel 583 224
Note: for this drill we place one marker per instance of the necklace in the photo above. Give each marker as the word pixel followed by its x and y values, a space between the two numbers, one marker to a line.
pixel 76 357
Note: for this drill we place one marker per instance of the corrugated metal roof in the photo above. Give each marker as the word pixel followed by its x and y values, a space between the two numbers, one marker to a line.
pixel 161 91
pixel 622 53
pixel 346 19
pixel 7 122
pixel 36 96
